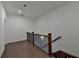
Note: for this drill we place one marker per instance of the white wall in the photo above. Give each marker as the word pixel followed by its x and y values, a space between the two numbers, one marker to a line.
pixel 64 22
pixel 2 17
pixel 16 28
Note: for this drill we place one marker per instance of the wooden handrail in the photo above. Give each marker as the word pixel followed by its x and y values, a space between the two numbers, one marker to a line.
pixel 52 41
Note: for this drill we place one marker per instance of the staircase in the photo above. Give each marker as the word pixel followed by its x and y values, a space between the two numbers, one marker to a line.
pixel 62 54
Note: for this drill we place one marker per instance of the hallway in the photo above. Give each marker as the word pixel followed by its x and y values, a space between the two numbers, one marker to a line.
pixel 23 49
pixel 60 18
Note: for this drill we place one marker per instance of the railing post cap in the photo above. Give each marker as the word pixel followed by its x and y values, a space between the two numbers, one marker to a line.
pixel 32 32
pixel 49 33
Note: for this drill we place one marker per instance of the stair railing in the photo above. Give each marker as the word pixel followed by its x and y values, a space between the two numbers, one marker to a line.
pixel 31 37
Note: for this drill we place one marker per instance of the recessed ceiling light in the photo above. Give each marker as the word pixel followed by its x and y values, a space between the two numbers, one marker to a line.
pixel 19 11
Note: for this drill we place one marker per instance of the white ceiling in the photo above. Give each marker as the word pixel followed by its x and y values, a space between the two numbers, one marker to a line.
pixel 34 9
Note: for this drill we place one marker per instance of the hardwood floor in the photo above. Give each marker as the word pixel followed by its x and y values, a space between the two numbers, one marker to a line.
pixel 23 49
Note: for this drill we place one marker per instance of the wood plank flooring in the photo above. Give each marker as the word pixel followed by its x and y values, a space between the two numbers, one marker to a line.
pixel 23 49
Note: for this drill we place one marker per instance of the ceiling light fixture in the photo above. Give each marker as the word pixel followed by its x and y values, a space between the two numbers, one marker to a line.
pixel 19 11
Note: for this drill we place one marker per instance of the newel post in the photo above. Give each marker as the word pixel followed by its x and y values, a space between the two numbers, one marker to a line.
pixel 49 44
pixel 33 37
pixel 27 35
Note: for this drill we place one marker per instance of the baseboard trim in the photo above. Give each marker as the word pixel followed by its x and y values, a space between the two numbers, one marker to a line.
pixel 16 42
pixel 23 39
